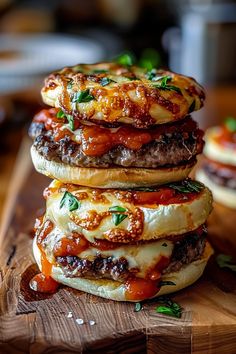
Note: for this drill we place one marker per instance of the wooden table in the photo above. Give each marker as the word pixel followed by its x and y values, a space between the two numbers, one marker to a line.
pixel 32 323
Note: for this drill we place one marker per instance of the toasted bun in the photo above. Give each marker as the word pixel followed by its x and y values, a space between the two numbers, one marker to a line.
pixel 109 177
pixel 144 222
pixel 115 290
pixel 217 152
pixel 140 102
pixel 221 194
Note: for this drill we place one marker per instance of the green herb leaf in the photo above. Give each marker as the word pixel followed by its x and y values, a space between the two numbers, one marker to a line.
pixel 187 186
pixel 146 189
pixel 83 96
pixel 138 307
pixel 71 122
pixel 225 261
pixel 230 124
pixel 126 59
pixel 70 84
pixel 166 282
pixel 70 119
pixel 70 201
pixel 170 308
pixel 164 84
pixel 192 107
pixel 117 208
pixel 151 75
pixel 149 59
pixel 61 114
pixel 118 218
pixel 100 71
pixel 106 81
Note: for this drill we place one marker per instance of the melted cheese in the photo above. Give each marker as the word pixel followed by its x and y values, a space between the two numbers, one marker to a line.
pixel 142 256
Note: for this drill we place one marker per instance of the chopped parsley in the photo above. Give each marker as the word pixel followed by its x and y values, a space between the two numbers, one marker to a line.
pixel 70 201
pixel 226 261
pixel 163 85
pixel 106 81
pixel 169 307
pixel 117 218
pixel 83 96
pixel 187 186
pixel 230 124
pixel 126 59
pixel 70 118
pixel 138 307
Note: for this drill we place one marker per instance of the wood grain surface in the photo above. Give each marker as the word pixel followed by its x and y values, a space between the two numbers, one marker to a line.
pixel 36 324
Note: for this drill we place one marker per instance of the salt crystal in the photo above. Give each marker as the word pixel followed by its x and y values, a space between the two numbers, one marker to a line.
pixel 80 321
pixel 69 315
pixel 92 323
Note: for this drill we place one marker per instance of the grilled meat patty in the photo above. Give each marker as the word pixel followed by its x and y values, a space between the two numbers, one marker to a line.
pixel 186 250
pixel 220 174
pixel 170 149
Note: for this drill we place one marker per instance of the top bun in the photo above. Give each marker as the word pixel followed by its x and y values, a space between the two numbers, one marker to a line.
pixel 216 150
pixel 113 93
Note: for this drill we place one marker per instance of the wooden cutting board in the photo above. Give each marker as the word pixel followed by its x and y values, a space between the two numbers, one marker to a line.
pixel 36 324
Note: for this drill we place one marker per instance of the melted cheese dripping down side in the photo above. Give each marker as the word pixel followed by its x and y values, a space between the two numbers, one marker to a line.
pixel 142 256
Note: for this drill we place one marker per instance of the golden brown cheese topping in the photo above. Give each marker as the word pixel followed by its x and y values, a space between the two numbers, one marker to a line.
pixel 114 94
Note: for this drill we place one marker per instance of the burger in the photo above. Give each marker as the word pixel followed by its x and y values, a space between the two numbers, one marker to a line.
pixel 218 169
pixel 123 220
pixel 114 126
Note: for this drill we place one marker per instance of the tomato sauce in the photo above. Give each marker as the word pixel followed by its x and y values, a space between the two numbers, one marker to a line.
pixel 70 246
pixel 43 284
pixel 226 138
pixel 138 289
pixel 97 140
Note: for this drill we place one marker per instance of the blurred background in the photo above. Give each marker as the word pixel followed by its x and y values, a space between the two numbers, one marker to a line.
pixel 193 37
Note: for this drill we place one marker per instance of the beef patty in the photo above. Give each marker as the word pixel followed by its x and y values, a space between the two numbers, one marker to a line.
pixel 222 175
pixel 186 250
pixel 170 149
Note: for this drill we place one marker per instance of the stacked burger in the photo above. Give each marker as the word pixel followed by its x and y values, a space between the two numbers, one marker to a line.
pixel 218 169
pixel 123 220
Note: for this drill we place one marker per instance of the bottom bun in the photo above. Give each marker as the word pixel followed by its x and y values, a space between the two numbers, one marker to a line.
pixel 115 290
pixel 221 194
pixel 112 177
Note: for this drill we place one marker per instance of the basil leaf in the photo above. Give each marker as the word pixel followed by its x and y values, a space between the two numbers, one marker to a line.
pixel 70 201
pixel 138 307
pixel 60 114
pixel 117 208
pixel 230 124
pixel 126 59
pixel 166 282
pixel 83 96
pixel 187 186
pixel 106 81
pixel 225 261
pixel 118 218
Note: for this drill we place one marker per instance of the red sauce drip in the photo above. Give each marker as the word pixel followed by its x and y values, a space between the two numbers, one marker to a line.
pixel 155 273
pixel 97 140
pixel 226 138
pixel 138 289
pixel 70 246
pixel 43 284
